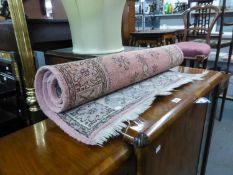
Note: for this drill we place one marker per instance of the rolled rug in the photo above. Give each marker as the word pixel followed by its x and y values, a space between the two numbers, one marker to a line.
pixel 71 94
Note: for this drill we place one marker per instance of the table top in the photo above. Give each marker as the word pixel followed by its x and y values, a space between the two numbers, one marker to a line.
pixel 157 31
pixel 43 148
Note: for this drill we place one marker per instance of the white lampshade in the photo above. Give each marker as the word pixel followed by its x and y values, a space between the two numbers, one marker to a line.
pixel 95 25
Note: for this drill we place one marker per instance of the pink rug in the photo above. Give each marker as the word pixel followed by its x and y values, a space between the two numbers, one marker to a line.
pixel 65 92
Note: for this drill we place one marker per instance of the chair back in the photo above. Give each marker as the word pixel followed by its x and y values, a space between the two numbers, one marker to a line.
pixel 199 21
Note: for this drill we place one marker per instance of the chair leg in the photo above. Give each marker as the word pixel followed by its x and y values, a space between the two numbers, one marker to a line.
pixel 192 63
pixel 184 63
pixel 229 55
pixel 223 104
pixel 201 61
pixel 205 64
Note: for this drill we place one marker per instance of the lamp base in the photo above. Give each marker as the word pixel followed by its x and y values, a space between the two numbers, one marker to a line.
pixel 95 25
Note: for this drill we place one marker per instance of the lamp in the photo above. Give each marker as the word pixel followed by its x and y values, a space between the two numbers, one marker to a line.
pixel 95 25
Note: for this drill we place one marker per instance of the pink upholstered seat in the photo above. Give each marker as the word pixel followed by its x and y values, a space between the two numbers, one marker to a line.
pixel 192 49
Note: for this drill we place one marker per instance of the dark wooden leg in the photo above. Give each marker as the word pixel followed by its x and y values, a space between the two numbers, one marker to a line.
pixel 209 130
pixel 205 64
pixel 229 54
pixel 192 63
pixel 131 41
pixel 183 63
pixel 223 104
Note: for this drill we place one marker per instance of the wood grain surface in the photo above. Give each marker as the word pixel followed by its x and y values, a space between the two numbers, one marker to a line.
pixel 44 149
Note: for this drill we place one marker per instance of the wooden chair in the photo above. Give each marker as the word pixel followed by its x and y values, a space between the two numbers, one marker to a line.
pixel 215 41
pixel 202 19
pixel 198 22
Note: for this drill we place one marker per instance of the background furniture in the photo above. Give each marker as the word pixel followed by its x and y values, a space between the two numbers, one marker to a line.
pixel 168 137
pixel 198 22
pixel 153 14
pixel 215 41
pixel 158 37
pixel 205 17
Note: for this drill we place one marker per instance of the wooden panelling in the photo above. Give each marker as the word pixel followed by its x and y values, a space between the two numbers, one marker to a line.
pixel 176 151
pixel 45 149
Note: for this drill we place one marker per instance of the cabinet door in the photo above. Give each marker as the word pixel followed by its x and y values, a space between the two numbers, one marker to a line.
pixel 176 151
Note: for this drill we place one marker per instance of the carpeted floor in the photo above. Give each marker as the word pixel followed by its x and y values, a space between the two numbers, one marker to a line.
pixel 222 64
pixel 220 160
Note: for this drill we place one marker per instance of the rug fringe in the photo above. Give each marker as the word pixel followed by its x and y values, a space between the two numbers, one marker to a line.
pixel 115 128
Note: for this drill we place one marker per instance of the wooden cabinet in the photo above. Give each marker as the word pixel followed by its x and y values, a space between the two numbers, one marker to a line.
pixel 174 138
pixel 176 151
pixel 167 140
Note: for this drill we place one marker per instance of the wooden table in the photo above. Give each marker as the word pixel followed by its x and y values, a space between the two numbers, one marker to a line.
pixel 167 140
pixel 156 37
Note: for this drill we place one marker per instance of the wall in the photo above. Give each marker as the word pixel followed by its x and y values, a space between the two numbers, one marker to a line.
pixel 171 22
